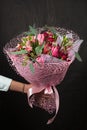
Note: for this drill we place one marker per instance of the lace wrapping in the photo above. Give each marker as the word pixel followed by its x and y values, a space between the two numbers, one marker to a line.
pixel 46 76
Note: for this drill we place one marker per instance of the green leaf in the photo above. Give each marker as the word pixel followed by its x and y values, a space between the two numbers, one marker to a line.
pixel 33 30
pixel 31 67
pixel 53 30
pixel 39 49
pixel 78 56
pixel 19 52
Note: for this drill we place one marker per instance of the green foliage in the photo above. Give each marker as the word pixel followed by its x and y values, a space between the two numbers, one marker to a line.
pixel 39 49
pixel 78 56
pixel 32 31
pixel 19 52
pixel 31 67
pixel 52 29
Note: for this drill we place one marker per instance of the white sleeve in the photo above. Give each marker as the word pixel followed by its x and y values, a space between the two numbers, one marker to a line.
pixel 4 83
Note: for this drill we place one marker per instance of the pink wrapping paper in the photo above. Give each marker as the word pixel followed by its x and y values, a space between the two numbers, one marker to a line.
pixel 47 75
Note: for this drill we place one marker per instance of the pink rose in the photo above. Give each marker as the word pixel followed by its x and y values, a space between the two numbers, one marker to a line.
pixel 40 38
pixel 55 51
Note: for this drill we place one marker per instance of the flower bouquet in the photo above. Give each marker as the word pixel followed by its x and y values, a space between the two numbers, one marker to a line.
pixel 42 56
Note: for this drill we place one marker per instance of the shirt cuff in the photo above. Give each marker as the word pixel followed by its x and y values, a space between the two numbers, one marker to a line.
pixel 4 83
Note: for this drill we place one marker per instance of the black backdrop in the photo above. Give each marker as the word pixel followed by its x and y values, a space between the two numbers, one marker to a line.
pixel 15 16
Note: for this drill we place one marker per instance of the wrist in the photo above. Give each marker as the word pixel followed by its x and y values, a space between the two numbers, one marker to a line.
pixel 23 89
pixel 26 87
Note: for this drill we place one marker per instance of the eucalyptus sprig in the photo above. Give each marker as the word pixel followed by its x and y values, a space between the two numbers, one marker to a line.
pixel 78 56
pixel 32 31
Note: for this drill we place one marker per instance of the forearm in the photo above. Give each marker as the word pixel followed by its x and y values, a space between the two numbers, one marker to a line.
pixel 20 87
pixel 9 84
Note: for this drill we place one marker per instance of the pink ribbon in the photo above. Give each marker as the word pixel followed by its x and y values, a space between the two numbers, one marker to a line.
pixel 47 90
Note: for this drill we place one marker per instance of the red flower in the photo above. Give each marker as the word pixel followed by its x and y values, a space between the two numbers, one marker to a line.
pixel 45 34
pixel 49 37
pixel 63 56
pixel 47 48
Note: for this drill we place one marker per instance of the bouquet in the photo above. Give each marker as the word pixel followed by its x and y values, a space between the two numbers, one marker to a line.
pixel 42 56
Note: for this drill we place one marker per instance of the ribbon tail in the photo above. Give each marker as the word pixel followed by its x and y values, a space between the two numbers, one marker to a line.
pixel 57 105
pixel 32 91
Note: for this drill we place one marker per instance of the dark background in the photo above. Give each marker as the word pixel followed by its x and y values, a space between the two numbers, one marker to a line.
pixel 15 16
